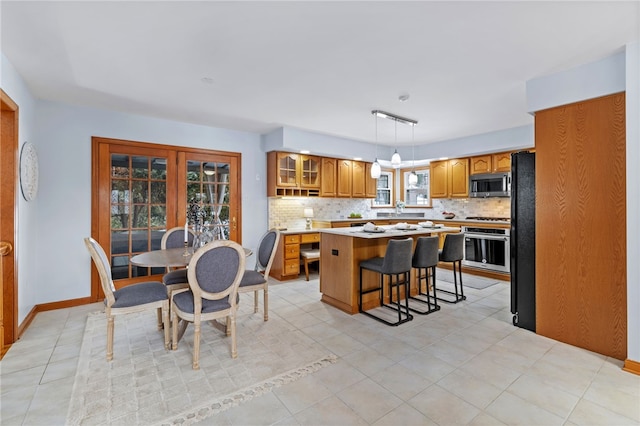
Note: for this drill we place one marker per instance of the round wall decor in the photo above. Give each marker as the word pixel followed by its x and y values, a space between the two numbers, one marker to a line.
pixel 28 171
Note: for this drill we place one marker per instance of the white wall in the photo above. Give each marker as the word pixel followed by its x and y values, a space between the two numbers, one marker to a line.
pixel 614 74
pixel 64 217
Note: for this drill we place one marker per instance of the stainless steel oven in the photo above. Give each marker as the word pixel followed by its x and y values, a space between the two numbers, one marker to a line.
pixel 487 248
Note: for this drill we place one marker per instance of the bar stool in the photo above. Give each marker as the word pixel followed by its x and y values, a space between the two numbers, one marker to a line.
pixel 425 260
pixel 453 251
pixel 395 263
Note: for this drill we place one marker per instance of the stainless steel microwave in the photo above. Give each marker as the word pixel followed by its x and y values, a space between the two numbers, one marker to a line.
pixel 490 185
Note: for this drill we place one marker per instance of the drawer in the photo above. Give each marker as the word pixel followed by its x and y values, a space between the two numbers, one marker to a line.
pixel 292 267
pixel 310 238
pixel 291 251
pixel 292 239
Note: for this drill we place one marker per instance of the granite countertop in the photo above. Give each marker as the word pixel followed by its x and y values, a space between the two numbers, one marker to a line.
pixel 390 231
pixel 419 218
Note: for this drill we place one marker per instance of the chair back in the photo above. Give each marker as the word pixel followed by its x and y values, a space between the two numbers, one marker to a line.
pixel 453 248
pixel 174 238
pixel 425 254
pixel 267 251
pixel 104 268
pixel 215 272
pixel 397 257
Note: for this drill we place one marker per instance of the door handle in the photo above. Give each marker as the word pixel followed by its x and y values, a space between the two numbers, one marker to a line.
pixel 5 248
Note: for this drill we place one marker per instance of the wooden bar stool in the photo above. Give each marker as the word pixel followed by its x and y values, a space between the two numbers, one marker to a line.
pixel 396 264
pixel 309 256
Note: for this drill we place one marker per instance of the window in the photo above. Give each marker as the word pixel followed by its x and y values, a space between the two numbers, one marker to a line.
pixel 384 190
pixel 416 195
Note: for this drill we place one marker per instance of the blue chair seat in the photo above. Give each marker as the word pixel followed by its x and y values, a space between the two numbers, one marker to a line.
pixel 252 277
pixel 179 276
pixel 184 302
pixel 139 294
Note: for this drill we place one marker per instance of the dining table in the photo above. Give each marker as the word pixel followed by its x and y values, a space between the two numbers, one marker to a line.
pixel 178 257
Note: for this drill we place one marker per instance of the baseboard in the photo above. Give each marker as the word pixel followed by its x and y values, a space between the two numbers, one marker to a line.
pixel 50 307
pixel 631 366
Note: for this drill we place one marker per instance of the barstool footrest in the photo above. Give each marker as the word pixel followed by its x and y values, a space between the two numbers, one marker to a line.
pixel 407 318
pixel 457 298
pixel 432 306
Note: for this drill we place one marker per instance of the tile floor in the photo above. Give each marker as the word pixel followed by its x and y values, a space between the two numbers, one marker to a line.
pixel 465 364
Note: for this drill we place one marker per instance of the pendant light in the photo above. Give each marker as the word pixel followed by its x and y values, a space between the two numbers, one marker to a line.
pixel 376 170
pixel 395 158
pixel 413 177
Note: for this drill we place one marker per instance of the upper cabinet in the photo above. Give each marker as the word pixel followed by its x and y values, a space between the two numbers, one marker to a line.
pixel 450 178
pixel 490 163
pixel 290 174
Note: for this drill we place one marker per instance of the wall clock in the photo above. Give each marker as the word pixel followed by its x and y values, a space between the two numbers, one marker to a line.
pixel 28 171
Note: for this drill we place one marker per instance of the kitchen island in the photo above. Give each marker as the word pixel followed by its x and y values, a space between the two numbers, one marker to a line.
pixel 342 250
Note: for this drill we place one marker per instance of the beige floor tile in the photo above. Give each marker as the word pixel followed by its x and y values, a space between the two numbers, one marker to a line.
pixel 339 376
pixel 483 419
pixel 401 381
pixel 443 407
pixel 610 396
pixel 474 391
pixel 514 410
pixel 302 393
pixel 485 368
pixel 264 410
pixel 431 368
pixel 369 400
pixel 589 413
pixel 331 411
pixel 543 395
pixel 369 361
pixel 405 415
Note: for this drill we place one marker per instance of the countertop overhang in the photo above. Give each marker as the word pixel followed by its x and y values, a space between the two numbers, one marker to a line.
pixel 390 231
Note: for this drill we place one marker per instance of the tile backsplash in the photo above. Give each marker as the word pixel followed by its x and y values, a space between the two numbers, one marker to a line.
pixel 288 212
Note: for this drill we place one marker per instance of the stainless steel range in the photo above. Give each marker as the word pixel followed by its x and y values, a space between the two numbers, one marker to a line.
pixel 487 248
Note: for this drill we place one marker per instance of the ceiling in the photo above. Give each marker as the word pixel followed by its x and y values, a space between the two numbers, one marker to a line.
pixel 317 66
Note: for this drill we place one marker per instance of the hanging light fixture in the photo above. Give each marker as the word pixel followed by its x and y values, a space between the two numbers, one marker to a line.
pixel 376 170
pixel 395 158
pixel 413 177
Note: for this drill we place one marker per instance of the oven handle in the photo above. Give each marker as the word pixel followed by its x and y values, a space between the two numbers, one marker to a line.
pixel 487 237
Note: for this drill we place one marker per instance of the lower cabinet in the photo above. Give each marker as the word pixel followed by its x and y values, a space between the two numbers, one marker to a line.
pixel 286 264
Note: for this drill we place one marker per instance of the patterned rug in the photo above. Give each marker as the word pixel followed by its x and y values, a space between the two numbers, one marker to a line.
pixel 147 385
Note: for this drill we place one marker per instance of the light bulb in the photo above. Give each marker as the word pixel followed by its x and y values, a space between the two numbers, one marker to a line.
pixel 375 169
pixel 413 178
pixel 395 159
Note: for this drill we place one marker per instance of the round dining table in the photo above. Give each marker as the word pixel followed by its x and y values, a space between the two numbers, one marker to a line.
pixel 171 257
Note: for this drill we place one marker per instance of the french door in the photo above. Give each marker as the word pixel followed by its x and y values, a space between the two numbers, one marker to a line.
pixel 141 190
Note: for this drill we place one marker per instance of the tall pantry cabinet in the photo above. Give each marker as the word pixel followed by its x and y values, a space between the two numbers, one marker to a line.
pixel 581 278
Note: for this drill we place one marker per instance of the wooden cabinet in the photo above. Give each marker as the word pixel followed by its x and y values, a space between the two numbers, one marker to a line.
pixel 292 174
pixel 329 174
pixel 286 263
pixel 450 178
pixel 490 163
pixel 344 178
pixel 371 184
pixel 358 180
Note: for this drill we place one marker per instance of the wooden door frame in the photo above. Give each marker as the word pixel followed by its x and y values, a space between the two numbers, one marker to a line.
pixel 8 220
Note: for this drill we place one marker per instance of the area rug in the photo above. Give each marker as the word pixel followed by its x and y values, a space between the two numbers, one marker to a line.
pixel 148 385
pixel 445 276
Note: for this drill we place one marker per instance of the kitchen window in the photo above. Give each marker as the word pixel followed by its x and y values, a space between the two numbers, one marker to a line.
pixel 384 189
pixel 416 195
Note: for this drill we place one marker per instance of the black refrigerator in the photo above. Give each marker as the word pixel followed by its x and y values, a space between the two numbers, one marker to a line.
pixel 523 240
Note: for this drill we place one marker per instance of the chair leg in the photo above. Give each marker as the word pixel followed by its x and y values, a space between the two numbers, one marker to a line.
pixel 234 349
pixel 255 302
pixel 160 319
pixel 227 328
pixel 266 302
pixel 196 346
pixel 174 329
pixel 110 337
pixel 306 268
pixel 166 326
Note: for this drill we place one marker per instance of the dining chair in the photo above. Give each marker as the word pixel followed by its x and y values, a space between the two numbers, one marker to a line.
pixel 257 279
pixel 174 238
pixel 132 298
pixel 214 274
